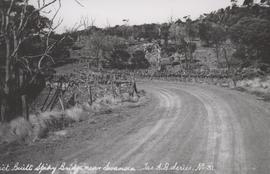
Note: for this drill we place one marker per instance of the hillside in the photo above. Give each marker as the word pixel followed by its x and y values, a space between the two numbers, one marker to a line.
pixel 226 39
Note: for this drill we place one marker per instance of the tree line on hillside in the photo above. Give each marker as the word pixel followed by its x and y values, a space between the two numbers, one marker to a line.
pixel 248 30
pixel 110 51
pixel 245 29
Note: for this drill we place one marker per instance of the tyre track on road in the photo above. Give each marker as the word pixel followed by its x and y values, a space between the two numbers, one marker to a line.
pixel 190 124
pixel 157 133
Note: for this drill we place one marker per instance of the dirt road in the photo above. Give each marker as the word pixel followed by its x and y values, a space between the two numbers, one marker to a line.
pixel 187 129
pixel 184 128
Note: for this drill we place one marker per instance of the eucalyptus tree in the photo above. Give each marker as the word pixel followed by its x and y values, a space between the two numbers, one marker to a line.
pixel 251 2
pixel 20 22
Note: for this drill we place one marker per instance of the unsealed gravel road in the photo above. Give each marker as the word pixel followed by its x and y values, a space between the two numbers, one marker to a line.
pixel 190 128
pixel 220 130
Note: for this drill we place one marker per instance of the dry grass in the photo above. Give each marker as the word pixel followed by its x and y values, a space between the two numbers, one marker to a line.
pixel 6 135
pixel 61 133
pixel 39 125
pixel 109 100
pixel 100 108
pixel 261 85
pixel 257 86
pixel 40 128
pixel 76 114
pixel 128 98
pixel 19 130
pixel 125 97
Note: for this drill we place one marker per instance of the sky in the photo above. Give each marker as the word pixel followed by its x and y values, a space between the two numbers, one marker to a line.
pixel 112 12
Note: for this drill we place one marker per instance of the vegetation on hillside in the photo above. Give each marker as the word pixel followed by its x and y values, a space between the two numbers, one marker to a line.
pixel 237 36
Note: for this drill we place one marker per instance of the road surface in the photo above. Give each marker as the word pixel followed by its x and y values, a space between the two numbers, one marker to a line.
pixel 187 129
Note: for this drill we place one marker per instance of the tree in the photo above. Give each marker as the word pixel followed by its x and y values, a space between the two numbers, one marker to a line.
pixel 183 35
pixel 119 59
pixel 251 2
pixel 100 46
pixel 248 2
pixel 95 44
pixel 217 38
pixel 213 35
pixel 138 60
pixel 252 40
pixel 20 23
pixel 204 32
pixel 164 33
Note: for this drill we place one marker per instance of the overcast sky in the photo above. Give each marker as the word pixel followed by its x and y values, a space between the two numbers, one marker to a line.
pixel 137 11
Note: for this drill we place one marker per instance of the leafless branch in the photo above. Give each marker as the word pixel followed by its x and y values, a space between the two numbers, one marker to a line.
pixel 10 7
pixel 45 5
pixel 47 51
pixel 75 27
pixel 78 2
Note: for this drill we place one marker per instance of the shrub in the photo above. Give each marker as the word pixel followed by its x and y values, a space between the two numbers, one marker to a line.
pixel 21 128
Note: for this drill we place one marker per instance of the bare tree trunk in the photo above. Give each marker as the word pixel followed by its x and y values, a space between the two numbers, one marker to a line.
pixel 227 61
pixel 99 56
pixel 230 71
pixel 3 109
pixel 186 60
pixel 7 76
pixel 97 59
pixel 90 95
pixel 217 53
pixel 7 66
pixel 24 103
pixel 190 59
pixel 25 108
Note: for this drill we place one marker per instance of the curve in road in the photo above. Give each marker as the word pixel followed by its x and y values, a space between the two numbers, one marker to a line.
pixel 202 129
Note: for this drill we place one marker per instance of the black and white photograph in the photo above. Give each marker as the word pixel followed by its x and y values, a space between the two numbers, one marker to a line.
pixel 134 87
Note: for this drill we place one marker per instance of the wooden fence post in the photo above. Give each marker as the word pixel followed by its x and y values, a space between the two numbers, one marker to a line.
pixel 23 98
pixel 90 94
pixel 112 83
pixel 60 98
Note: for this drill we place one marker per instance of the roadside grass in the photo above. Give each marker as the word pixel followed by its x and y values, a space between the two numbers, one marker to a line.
pixel 258 86
pixel 262 96
pixel 40 125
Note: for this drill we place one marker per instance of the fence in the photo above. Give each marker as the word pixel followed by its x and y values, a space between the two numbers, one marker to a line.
pixel 64 91
pixel 213 78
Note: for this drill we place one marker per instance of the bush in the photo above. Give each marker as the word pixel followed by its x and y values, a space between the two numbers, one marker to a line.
pixel 18 130
pixel 76 114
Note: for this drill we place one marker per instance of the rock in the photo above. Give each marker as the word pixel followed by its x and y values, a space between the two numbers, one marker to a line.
pixel 61 133
pixel 92 121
